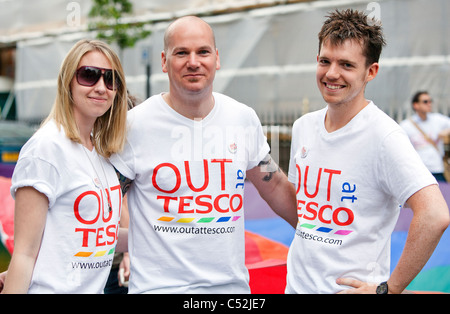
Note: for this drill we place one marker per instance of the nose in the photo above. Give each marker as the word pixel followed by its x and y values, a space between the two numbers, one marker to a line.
pixel 333 72
pixel 100 86
pixel 193 61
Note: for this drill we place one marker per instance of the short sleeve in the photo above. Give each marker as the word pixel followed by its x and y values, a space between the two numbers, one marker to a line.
pixel 258 148
pixel 124 161
pixel 292 171
pixel 445 121
pixel 402 171
pixel 36 173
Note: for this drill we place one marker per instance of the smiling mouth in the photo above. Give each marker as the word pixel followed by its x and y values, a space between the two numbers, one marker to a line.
pixel 193 78
pixel 97 99
pixel 193 75
pixel 333 86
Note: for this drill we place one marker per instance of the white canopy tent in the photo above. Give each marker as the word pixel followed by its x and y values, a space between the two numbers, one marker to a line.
pixel 267 48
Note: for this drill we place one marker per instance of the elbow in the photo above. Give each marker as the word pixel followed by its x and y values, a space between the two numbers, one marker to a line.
pixel 442 220
pixel 429 204
pixel 445 222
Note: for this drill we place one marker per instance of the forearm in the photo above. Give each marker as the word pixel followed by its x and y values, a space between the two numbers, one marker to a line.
pixel 274 187
pixel 18 277
pixel 30 214
pixel 283 202
pixel 419 246
pixel 431 218
pixel 122 241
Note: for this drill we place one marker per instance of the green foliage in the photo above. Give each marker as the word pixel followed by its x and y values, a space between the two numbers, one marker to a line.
pixel 106 16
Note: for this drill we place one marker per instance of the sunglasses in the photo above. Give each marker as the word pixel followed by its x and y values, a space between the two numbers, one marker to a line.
pixel 89 76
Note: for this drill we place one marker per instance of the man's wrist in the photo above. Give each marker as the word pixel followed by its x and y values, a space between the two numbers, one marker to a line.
pixel 383 288
pixel 393 289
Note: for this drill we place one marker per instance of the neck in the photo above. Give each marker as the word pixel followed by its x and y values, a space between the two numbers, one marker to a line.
pixel 85 135
pixel 87 142
pixel 191 107
pixel 339 116
pixel 85 126
pixel 422 115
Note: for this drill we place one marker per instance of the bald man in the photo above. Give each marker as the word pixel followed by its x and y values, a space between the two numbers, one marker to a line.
pixel 188 154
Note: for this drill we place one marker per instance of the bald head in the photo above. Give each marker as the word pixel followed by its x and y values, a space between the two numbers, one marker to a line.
pixel 184 24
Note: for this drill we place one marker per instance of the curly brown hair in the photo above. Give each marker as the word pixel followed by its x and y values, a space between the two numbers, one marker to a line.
pixel 354 25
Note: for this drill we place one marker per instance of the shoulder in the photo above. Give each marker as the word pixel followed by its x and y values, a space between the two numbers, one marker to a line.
pixel 380 122
pixel 310 118
pixel 437 115
pixel 145 107
pixel 439 118
pixel 405 123
pixel 46 140
pixel 390 139
pixel 391 136
pixel 408 125
pixel 231 106
pixel 229 102
pixel 145 115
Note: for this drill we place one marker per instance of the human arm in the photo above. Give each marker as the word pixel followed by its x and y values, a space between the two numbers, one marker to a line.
pixel 125 184
pixel 2 279
pixel 430 219
pixel 274 187
pixel 444 134
pixel 30 213
pixel 124 270
pixel 123 242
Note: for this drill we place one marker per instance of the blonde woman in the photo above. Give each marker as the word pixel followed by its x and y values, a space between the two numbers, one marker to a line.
pixel 67 195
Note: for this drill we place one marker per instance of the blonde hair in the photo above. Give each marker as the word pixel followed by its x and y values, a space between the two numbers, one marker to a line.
pixel 109 130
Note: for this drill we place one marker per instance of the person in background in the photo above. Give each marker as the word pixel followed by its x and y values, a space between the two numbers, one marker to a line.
pixel 352 166
pixel 67 195
pixel 426 131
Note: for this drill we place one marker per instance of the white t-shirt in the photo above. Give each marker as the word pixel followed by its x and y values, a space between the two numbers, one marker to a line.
pixel 432 126
pixel 80 233
pixel 186 232
pixel 350 184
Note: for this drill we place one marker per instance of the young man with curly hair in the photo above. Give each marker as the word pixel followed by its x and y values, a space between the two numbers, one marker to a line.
pixel 353 168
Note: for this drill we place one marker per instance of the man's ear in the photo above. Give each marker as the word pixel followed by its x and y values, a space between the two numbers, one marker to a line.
pixel 163 61
pixel 373 71
pixel 217 60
